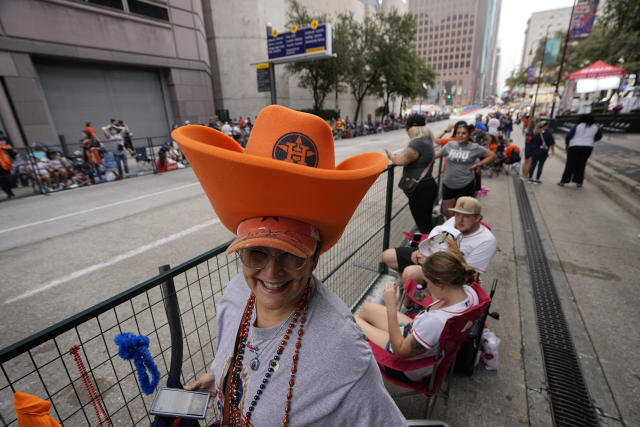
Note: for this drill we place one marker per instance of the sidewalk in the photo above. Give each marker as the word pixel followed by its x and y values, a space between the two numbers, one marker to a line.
pixel 614 167
pixel 592 247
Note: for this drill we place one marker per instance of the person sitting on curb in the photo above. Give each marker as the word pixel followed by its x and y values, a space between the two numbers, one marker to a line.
pixel 478 244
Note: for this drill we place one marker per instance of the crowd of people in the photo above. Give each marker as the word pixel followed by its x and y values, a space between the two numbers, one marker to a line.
pixel 94 160
pixel 467 150
pixel 257 372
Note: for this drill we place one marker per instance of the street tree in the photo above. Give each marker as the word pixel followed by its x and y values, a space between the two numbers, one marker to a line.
pixel 356 45
pixel 319 76
pixel 402 71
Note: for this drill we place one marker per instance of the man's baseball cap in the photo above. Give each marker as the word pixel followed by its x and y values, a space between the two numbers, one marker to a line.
pixel 436 241
pixel 467 205
pixel 290 235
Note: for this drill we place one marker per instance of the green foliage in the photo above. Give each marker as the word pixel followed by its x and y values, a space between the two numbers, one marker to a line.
pixel 382 111
pixel 357 46
pixel 320 76
pixel 373 57
pixel 402 71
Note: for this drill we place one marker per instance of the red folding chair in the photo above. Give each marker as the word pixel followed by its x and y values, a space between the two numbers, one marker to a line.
pixel 453 335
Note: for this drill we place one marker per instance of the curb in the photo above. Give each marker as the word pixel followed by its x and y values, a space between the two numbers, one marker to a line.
pixel 610 181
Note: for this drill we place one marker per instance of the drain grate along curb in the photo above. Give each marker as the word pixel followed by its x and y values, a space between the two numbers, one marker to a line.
pixel 571 404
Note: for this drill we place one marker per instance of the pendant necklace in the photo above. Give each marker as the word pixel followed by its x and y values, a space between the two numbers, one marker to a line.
pixel 254 363
pixel 233 395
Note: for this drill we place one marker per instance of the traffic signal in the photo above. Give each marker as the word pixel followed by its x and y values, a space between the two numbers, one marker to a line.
pixel 448 96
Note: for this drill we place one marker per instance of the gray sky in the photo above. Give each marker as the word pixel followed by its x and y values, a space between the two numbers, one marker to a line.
pixel 513 23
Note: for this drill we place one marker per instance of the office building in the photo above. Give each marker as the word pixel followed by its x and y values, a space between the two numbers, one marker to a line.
pixel 151 63
pixel 457 38
pixel 540 24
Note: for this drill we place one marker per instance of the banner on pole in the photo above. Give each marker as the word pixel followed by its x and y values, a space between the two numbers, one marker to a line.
pixel 551 51
pixel 584 15
pixel 531 74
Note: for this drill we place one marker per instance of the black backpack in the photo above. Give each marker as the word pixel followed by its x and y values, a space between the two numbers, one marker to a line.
pixel 515 157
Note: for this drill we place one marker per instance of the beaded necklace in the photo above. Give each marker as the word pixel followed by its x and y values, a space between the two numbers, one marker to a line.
pixel 235 380
pixel 254 364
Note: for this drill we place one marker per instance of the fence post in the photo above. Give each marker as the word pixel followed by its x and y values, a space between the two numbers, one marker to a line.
pixel 382 267
pixel 36 182
pixel 172 309
pixel 153 155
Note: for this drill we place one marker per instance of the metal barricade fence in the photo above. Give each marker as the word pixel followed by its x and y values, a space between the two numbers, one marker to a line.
pixel 109 392
pixel 140 161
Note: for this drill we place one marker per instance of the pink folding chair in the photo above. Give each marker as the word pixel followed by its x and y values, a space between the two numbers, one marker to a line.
pixel 453 335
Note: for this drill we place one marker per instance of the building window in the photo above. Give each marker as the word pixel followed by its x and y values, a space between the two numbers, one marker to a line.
pixel 468 64
pixel 115 4
pixel 456 65
pixel 147 9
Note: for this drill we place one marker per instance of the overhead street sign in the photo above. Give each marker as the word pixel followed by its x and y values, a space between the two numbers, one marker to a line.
pixel 303 41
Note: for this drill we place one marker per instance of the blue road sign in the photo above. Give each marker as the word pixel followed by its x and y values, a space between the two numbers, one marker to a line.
pixel 305 40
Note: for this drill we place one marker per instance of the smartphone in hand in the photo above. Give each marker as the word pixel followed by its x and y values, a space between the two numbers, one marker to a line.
pixel 175 402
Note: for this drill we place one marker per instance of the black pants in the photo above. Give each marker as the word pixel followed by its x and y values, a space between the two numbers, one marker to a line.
pixel 537 160
pixel 5 182
pixel 421 204
pixel 576 162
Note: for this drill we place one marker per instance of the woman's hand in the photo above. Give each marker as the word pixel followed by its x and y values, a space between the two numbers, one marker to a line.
pixel 388 154
pixel 391 294
pixel 206 382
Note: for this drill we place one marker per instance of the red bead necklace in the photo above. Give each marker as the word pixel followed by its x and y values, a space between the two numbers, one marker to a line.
pixel 243 332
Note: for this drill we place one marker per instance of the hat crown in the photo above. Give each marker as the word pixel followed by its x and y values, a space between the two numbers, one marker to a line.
pixel 275 135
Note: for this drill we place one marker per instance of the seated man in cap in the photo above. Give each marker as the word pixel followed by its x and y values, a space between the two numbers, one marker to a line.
pixel 288 350
pixel 478 244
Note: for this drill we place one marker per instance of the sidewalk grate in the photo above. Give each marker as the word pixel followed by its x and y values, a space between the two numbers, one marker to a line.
pixel 571 404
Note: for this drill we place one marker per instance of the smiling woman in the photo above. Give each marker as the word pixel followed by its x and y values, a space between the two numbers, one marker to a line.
pixel 288 350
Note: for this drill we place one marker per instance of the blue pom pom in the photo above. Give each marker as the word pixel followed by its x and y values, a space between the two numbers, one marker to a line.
pixel 136 347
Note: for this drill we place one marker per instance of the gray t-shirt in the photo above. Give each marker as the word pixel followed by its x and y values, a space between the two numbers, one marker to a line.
pixel 337 380
pixel 424 147
pixel 115 143
pixel 459 160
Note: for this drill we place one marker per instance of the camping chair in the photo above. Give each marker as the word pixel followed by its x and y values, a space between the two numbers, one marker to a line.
pixel 453 335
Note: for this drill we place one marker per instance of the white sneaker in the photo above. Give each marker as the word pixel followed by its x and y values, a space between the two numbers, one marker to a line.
pixel 74 185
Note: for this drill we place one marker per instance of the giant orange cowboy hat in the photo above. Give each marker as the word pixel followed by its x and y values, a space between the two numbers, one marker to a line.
pixel 287 170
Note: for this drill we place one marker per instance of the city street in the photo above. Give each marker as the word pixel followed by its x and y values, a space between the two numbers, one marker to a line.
pixel 73 249
pixel 65 252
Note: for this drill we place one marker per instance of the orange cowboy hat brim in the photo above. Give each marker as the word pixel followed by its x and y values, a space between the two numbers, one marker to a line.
pixel 241 185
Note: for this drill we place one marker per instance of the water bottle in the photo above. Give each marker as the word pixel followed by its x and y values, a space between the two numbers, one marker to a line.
pixel 418 294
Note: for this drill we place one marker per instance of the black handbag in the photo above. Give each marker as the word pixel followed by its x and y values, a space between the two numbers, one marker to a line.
pixel 408 184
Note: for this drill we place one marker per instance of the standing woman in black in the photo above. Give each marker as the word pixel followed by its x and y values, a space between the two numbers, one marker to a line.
pixel 580 140
pixel 416 158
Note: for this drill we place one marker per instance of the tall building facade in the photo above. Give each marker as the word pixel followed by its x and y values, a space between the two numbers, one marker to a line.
pixel 151 63
pixel 458 39
pixel 67 62
pixel 554 20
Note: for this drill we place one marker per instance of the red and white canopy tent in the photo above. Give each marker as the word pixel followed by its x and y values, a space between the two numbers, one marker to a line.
pixel 597 76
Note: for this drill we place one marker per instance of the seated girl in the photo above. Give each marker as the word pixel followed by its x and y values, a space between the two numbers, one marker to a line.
pixel 446 273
